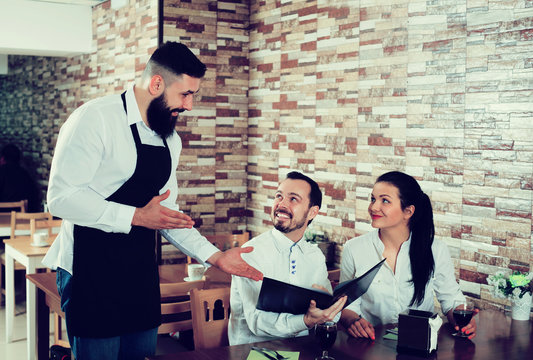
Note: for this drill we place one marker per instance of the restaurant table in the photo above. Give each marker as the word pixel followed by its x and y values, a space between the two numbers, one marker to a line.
pixel 498 337
pixel 47 299
pixel 21 250
pixel 169 273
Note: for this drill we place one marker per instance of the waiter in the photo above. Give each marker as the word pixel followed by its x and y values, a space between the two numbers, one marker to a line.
pixel 113 181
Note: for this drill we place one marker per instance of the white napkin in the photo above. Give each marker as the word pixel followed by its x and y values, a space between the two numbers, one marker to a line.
pixel 435 324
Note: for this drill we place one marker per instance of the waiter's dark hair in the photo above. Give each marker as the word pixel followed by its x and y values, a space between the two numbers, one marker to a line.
pixel 421 226
pixel 315 195
pixel 173 58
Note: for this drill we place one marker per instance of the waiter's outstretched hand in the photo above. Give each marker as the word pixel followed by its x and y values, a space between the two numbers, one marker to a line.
pixel 156 216
pixel 231 262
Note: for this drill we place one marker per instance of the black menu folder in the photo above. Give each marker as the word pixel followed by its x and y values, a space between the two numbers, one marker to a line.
pixel 281 297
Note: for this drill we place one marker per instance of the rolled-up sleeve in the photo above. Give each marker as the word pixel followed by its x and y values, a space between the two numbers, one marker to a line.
pixel 78 154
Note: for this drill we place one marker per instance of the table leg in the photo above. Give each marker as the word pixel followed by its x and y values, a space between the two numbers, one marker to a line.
pixel 43 327
pixel 31 323
pixel 10 296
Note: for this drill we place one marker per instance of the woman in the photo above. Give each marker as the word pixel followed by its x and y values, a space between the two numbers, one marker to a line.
pixel 416 265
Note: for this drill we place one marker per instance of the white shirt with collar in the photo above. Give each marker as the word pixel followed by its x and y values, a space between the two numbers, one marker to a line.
pixel 95 154
pixel 390 293
pixel 277 257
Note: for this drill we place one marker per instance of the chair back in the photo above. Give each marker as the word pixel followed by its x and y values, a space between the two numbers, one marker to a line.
pixel 334 277
pixel 49 225
pixel 20 206
pixel 176 305
pixel 21 221
pixel 226 241
pixel 210 317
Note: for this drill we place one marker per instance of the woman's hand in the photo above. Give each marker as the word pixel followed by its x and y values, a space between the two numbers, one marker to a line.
pixel 470 328
pixel 356 326
pixel 361 328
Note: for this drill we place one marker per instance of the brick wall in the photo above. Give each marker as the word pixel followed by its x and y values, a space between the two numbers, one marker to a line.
pixel 212 171
pixel 347 90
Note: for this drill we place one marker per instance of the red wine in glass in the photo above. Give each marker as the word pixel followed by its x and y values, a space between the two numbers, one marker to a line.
pixel 462 317
pixel 326 334
pixel 462 314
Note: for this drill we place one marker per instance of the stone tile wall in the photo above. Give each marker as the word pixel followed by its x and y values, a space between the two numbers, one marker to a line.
pixel 347 90
pixel 212 171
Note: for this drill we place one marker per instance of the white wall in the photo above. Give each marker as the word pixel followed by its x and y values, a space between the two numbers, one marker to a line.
pixel 44 29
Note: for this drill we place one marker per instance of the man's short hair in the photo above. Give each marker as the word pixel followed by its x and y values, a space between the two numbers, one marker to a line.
pixel 173 58
pixel 315 196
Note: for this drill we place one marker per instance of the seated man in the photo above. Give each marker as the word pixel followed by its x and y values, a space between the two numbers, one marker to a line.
pixel 284 255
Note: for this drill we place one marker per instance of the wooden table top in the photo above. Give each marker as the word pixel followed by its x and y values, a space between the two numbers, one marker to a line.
pixel 498 338
pixel 177 272
pixel 24 246
pixel 46 282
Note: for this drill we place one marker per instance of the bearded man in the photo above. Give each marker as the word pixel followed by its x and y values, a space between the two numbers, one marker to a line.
pixel 282 254
pixel 113 182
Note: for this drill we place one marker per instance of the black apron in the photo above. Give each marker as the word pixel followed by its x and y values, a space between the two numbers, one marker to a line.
pixel 115 283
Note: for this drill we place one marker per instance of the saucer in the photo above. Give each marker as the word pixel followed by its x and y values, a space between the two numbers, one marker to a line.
pixel 40 244
pixel 187 279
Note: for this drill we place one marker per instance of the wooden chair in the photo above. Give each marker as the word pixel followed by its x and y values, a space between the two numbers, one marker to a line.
pixel 226 241
pixel 50 225
pixel 20 206
pixel 210 317
pixel 176 305
pixel 334 276
pixel 21 221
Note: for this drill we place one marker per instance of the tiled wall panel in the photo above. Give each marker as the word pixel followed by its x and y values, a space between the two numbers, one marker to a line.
pixel 441 90
pixel 498 143
pixel 212 171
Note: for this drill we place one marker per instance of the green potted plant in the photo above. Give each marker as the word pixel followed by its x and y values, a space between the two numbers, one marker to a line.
pixel 516 287
pixel 322 241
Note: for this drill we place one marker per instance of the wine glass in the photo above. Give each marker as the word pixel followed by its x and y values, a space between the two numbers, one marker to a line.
pixel 462 314
pixel 326 333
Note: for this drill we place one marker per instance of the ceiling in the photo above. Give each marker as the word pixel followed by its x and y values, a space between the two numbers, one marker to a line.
pixel 47 27
pixel 74 2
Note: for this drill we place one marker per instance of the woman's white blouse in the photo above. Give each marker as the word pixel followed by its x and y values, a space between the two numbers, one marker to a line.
pixel 390 293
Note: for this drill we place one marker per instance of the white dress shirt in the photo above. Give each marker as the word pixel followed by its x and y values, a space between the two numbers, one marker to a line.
pixel 95 154
pixel 277 257
pixel 390 292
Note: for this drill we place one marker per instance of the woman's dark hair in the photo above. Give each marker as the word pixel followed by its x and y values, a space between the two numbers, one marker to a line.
pixel 315 195
pixel 421 227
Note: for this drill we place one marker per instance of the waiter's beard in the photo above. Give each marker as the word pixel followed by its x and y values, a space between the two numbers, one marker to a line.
pixel 160 117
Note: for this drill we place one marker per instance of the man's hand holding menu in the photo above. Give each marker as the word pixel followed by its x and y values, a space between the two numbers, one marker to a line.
pixel 281 297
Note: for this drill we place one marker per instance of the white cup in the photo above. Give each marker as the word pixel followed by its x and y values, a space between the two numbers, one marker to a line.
pixel 40 239
pixel 195 271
